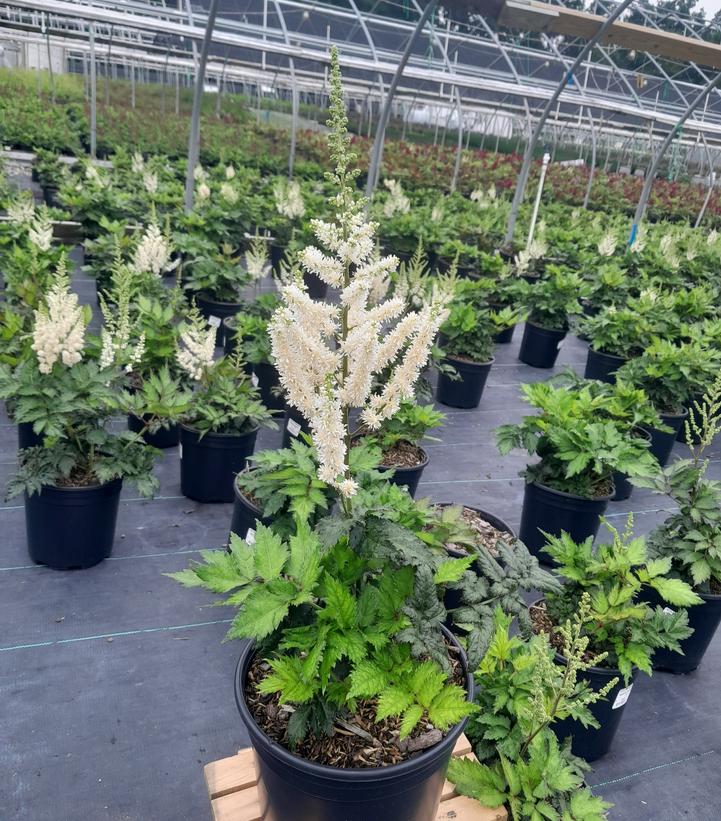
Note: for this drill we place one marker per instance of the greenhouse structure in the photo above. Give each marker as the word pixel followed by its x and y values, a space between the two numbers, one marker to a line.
pixel 360 396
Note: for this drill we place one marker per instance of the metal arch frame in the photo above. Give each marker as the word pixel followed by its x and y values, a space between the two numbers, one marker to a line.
pixel 711 183
pixel 376 151
pixel 294 90
pixel 650 176
pixel 371 42
pixel 194 137
pixel 528 156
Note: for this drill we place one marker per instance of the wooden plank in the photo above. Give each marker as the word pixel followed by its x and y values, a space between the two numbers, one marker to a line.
pixel 238 806
pixel 535 16
pixel 468 809
pixel 230 774
pixel 463 746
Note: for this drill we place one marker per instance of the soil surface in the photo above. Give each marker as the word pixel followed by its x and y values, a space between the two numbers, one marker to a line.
pixel 78 478
pixel 358 741
pixel 403 455
pixel 486 534
pixel 541 623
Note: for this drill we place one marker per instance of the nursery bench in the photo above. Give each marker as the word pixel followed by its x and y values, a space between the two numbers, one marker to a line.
pixel 231 784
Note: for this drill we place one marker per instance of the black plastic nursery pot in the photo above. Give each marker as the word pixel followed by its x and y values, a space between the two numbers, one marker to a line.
pixel 602 366
pixel 467 391
pixel 266 379
pixel 505 337
pixel 540 346
pixel 51 197
pixel 704 619
pixel 27 438
pixel 553 511
pixel 293 424
pixel 245 515
pixel 208 465
pixel 215 312
pixel 621 483
pixel 588 742
pixel 407 477
pixel 162 438
pixel 317 289
pixel 291 788
pixel 71 528
pixel 661 442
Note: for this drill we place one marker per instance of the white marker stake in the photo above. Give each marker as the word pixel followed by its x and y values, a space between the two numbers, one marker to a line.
pixel 544 167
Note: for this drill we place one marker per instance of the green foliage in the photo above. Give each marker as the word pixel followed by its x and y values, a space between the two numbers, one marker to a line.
pixel 250 328
pixel 581 437
pixel 226 401
pixel 613 576
pixel 410 424
pixel 618 330
pixel 554 298
pixel 218 276
pixel 691 537
pixel 159 401
pixel 672 374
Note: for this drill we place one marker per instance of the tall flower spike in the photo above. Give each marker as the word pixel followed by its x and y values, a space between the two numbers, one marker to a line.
pixel 256 257
pixel 121 346
pixel 59 332
pixel 40 232
pixel 196 346
pixel 152 253
pixel 331 356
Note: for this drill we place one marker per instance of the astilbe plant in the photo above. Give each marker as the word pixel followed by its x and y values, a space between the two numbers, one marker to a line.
pixel 329 355
pixel 690 538
pixel 522 691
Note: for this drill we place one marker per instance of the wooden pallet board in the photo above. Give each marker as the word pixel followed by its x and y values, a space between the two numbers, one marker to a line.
pixel 232 788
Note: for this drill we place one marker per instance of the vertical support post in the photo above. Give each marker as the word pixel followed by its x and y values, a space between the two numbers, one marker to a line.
pixel 587 197
pixel 533 141
pixel 194 137
pixel 459 146
pixel 711 184
pixel 177 93
pixel 93 95
pixel 132 84
pixel 377 150
pixel 107 68
pixel 537 203
pixel 50 59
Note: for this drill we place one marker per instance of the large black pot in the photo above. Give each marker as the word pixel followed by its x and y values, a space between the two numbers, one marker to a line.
pixel 317 289
pixel 51 197
pixel 27 438
pixel 291 788
pixel 245 515
pixel 407 477
pixel 70 528
pixel 162 438
pixel 602 366
pixel 293 424
pixel 540 346
pixel 208 466
pixel 621 483
pixel 505 337
pixel 704 619
pixel 465 392
pixel 553 511
pixel 662 443
pixel 215 312
pixel 587 742
pixel 266 379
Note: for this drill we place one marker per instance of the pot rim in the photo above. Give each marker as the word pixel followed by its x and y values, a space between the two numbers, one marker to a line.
pixel 210 301
pixel 240 496
pixel 408 468
pixel 77 489
pixel 533 324
pixel 356 775
pixel 471 362
pixel 191 429
pixel 681 415
pixel 593 350
pixel 573 495
pixel 484 514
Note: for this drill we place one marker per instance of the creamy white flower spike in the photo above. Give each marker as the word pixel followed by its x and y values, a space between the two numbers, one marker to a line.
pixel 196 347
pixel 59 332
pixel 256 258
pixel 137 163
pixel 199 173
pixel 289 199
pixel 203 192
pixel 40 232
pixel 150 182
pixel 229 172
pixel 152 253
pixel 21 210
pixel 607 245
pixel 229 193
pixel 397 202
pixel 92 175
pixel 712 237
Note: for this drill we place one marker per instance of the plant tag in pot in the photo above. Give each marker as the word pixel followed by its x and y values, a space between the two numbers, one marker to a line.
pixel 250 536
pixel 668 611
pixel 254 379
pixel 180 451
pixel 214 321
pixel 293 427
pixel 622 697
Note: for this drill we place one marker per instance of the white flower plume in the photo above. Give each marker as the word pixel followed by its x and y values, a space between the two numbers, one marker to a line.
pixel 229 193
pixel 256 257
pixel 203 192
pixel 21 210
pixel 152 253
pixel 196 346
pixel 397 202
pixel 40 232
pixel 607 245
pixel 289 199
pixel 137 163
pixel 150 182
pixel 59 332
pixel 229 172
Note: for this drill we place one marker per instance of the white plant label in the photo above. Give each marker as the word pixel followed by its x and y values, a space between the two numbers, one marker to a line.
pixel 560 344
pixel 214 321
pixel 254 380
pixel 293 427
pixel 180 451
pixel 622 697
pixel 250 536
pixel 668 611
